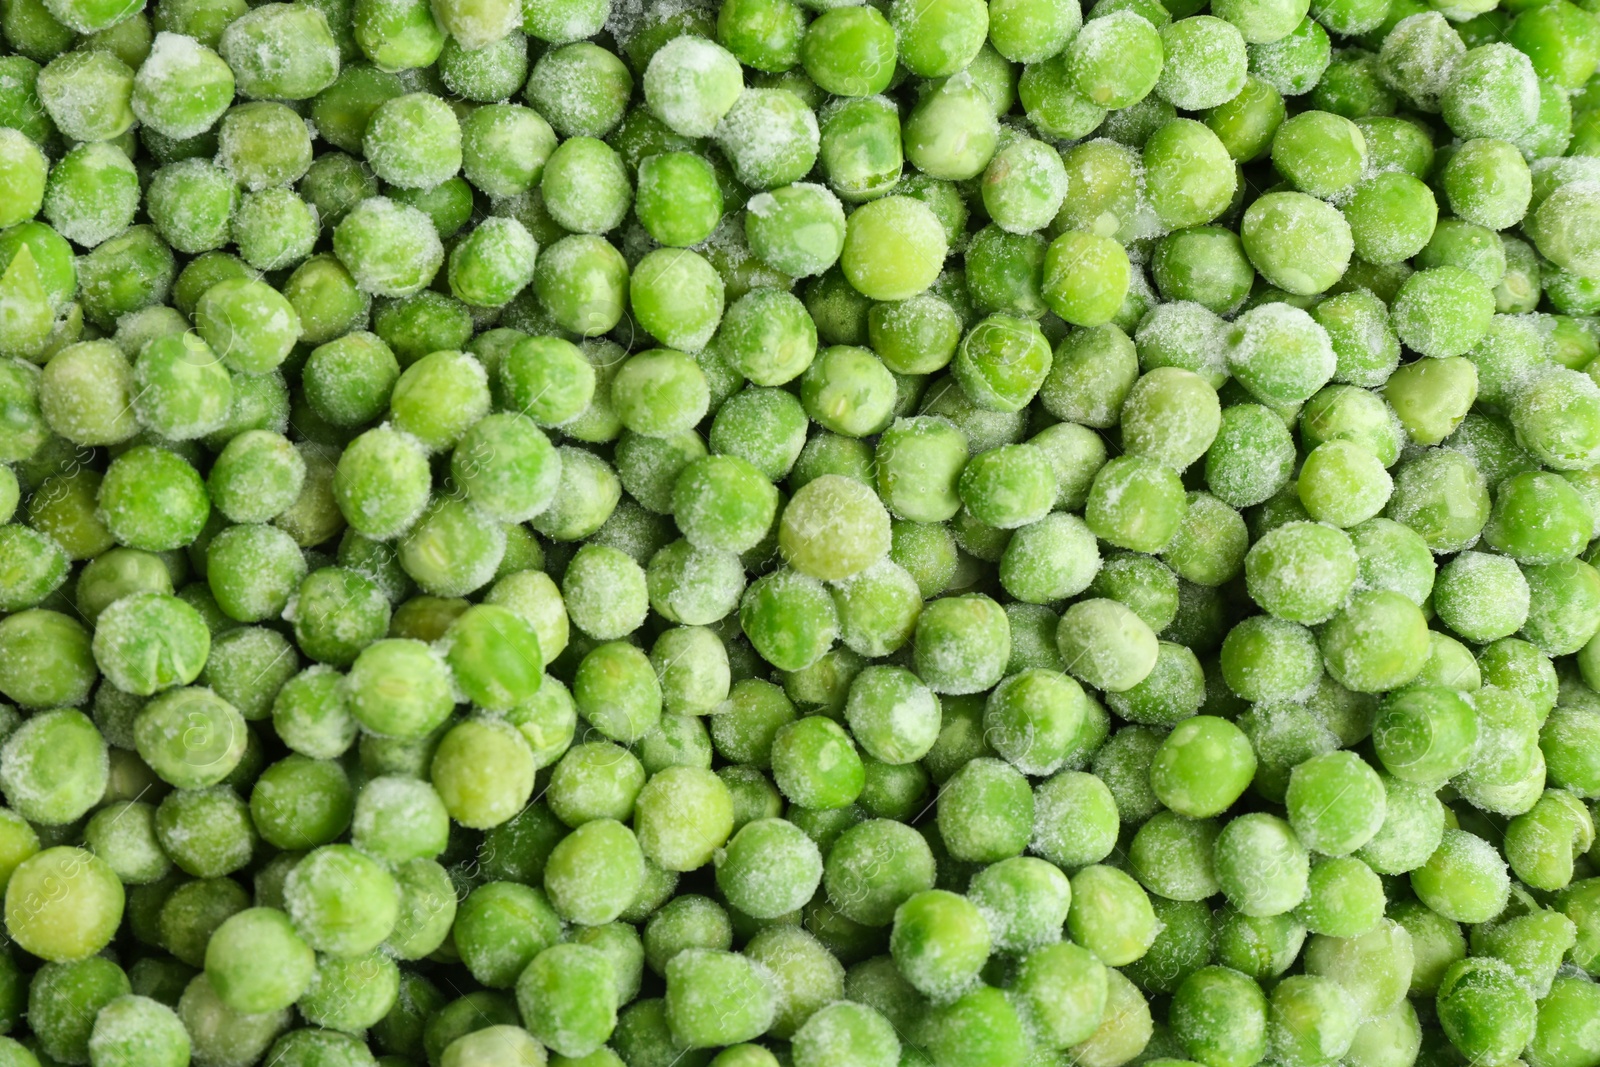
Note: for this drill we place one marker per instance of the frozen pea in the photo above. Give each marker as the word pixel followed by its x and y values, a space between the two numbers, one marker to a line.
pixel 1024 185
pixel 1359 658
pixel 390 248
pixel 986 811
pixel 568 999
pixel 1391 216
pixel 483 770
pixel 1202 767
pixel 893 248
pixel 1443 311
pixel 1537 519
pixel 1360 810
pixel 1251 457
pixel 767 427
pixel 1001 363
pixel 691 83
pixel 1170 415
pixel 847 1033
pixel 52 764
pixel 678 200
pixel 833 528
pixel 413 141
pixel 547 379
pixel 1085 278
pixel 63 904
pixel 814 764
pixel 1463 879
pixel 253 570
pixel 257 963
pixel 89 194
pixel 493 263
pixel 1466 245
pixel 1560 599
pixel 1301 571
pixel 769 868
pixel 594 874
pixel 723 503
pixel 1557 817
pixel 1278 227
pixel 682 816
pixel 1262 865
pixel 845 128
pixel 501 928
pixel 1280 354
pixel 1219 1015
pixel 951 133
pixel 1553 418
pixel 677 297
pixel 1207 266
pixel 770 135
pixel 1136 503
pixel 504 148
pixel 1471 992
pixel 1171 856
pixel 940 941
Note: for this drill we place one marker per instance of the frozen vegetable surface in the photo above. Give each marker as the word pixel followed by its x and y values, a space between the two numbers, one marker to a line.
pixel 799 533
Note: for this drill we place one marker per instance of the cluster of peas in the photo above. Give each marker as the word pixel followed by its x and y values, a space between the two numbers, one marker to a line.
pixel 508 502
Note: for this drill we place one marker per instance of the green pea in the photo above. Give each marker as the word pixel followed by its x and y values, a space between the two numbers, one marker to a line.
pixel 1443 311
pixel 940 940
pixel 762 34
pixel 1135 503
pixel 1202 767
pixel 678 201
pixel 491 71
pixel 893 249
pixel 567 996
pixel 770 868
pixel 1220 1016
pixel 787 147
pixel 865 1032
pixel 767 336
pixel 1261 864
pixel 951 133
pixel 1171 856
pixel 253 570
pixel 1278 229
pixel 391 249
pixel 1191 174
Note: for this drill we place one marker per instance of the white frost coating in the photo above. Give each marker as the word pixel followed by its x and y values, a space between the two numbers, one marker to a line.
pixel 1417 57
pixel 766 134
pixel 176 64
pixel 93 194
pixel 1184 334
pixel 1280 353
pixel 564 21
pixel 1493 92
pixel 691 83
pixel 1207 64
pixel 389 249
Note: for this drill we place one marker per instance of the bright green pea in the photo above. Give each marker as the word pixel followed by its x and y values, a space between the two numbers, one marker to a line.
pixel 1281 229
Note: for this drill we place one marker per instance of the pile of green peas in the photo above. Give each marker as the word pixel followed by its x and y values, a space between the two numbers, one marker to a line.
pixel 800 533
